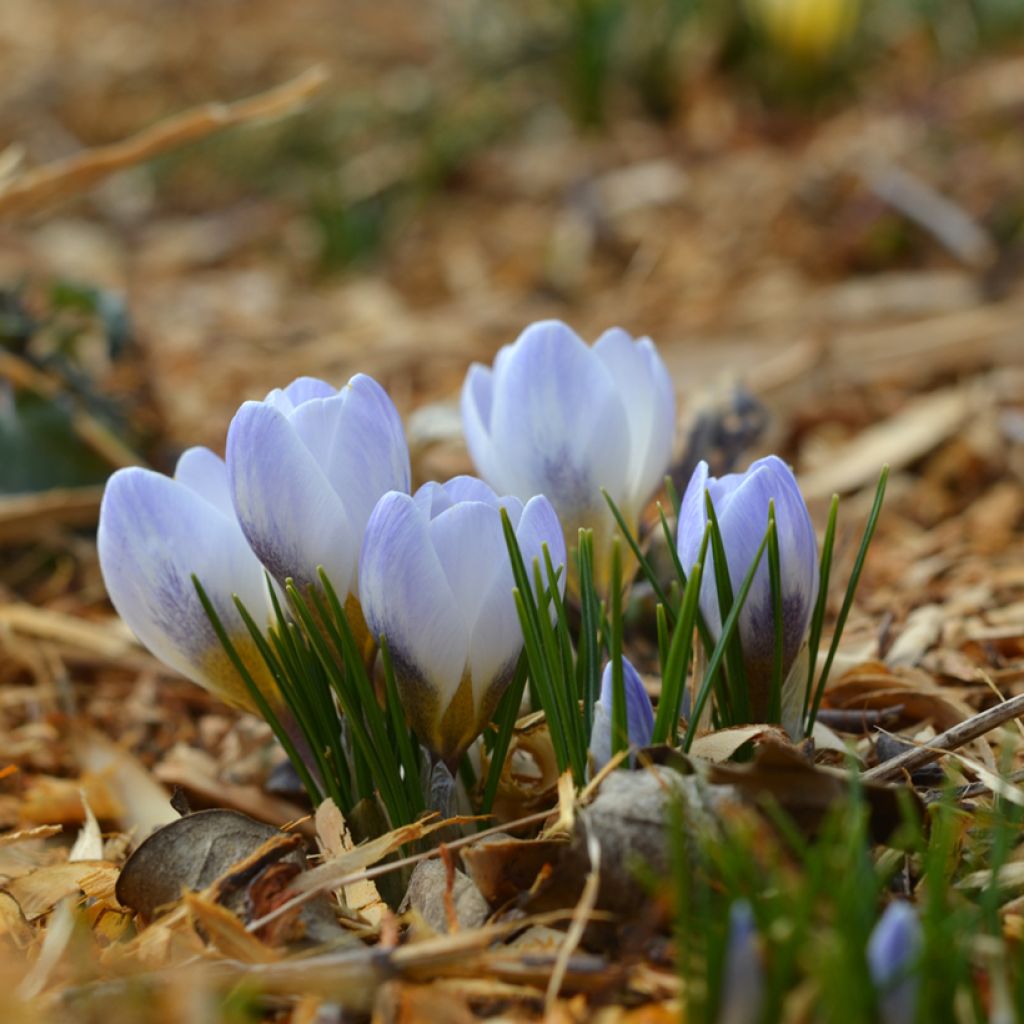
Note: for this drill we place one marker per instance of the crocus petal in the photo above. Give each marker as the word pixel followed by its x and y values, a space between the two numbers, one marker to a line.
pixel 540 526
pixel 406 597
pixel 476 404
pixel 154 533
pixel 202 471
pixel 290 514
pixel 893 950
pixel 497 636
pixel 744 520
pixel 558 426
pixel 693 518
pixel 302 389
pixel 649 400
pixel 639 714
pixel 356 438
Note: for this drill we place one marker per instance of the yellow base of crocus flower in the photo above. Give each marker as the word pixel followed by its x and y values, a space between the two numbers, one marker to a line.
pixel 221 678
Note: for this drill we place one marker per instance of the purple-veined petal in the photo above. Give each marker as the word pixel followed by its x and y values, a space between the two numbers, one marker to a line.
pixel 290 514
pixel 744 520
pixel 154 533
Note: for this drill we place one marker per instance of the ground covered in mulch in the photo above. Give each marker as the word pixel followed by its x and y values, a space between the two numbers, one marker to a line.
pixel 836 279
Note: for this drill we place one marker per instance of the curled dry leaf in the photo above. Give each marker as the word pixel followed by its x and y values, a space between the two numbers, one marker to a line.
pixel 190 854
pixel 233 861
pixel 503 867
pixel 781 775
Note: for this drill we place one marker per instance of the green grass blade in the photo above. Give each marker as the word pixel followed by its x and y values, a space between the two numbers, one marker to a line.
pixel 407 754
pixel 620 718
pixel 851 590
pixel 820 607
pixel 666 720
pixel 505 718
pixel 261 702
pixel 588 665
pixel 634 545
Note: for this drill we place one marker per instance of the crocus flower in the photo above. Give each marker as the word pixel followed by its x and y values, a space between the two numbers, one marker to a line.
pixel 742 975
pixel 741 506
pixel 306 466
pixel 893 951
pixel 154 533
pixel 557 417
pixel 436 581
pixel 639 715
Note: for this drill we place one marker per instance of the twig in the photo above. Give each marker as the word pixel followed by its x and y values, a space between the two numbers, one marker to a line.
pixel 951 739
pixel 580 917
pixel 950 225
pixel 76 173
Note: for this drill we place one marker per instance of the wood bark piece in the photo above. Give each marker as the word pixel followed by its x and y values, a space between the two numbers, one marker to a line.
pixel 75 174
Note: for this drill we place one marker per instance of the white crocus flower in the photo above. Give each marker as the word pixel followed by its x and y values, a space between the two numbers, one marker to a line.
pixel 306 467
pixel 155 532
pixel 557 417
pixel 436 581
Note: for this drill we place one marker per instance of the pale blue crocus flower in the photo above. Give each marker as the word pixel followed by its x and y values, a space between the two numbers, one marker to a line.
pixel 557 417
pixel 436 581
pixel 154 533
pixel 741 506
pixel 893 952
pixel 743 984
pixel 307 465
pixel 639 715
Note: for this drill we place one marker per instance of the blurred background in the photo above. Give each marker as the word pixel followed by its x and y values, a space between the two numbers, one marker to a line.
pixel 815 208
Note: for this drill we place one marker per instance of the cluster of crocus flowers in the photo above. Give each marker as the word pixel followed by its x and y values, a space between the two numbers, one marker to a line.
pixel 316 483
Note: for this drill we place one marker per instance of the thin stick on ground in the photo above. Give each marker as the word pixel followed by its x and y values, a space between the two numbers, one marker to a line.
pixel 959 735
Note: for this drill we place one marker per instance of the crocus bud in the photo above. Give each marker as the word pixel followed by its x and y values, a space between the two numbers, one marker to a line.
pixel 639 715
pixel 155 532
pixel 893 952
pixel 743 975
pixel 436 581
pixel 557 417
pixel 307 465
pixel 741 506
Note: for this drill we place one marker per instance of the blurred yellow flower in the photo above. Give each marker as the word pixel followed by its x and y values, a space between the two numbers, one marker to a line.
pixel 807 30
